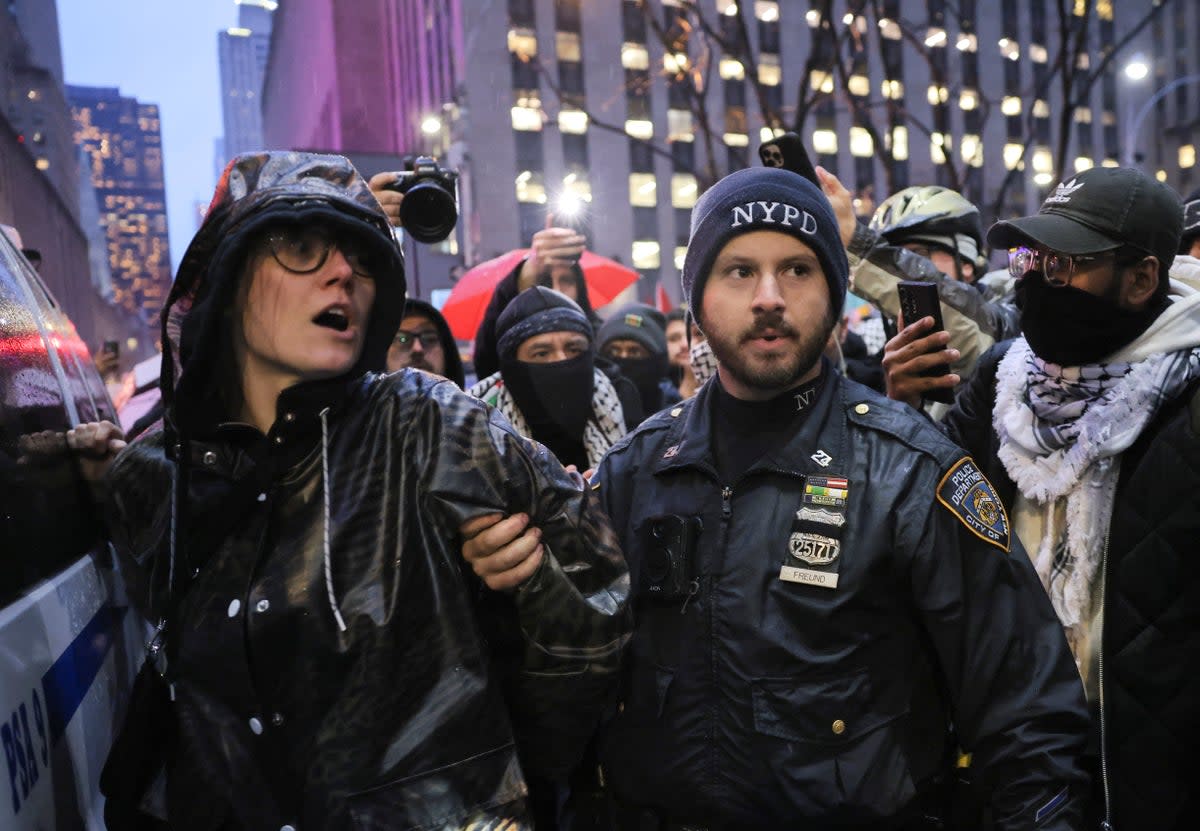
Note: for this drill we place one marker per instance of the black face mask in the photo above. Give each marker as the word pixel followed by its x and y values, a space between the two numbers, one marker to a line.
pixel 1071 327
pixel 555 396
pixel 646 374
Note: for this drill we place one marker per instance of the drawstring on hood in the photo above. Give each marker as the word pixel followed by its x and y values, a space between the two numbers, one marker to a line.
pixel 337 613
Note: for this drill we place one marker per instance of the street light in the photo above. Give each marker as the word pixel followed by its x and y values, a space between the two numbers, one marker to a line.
pixel 1135 124
pixel 1137 69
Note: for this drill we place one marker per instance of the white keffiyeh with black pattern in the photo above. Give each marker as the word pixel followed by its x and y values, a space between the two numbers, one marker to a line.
pixel 1062 430
pixel 604 429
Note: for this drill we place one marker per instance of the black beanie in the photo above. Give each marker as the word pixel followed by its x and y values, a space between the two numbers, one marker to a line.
pixel 763 199
pixel 637 322
pixel 536 311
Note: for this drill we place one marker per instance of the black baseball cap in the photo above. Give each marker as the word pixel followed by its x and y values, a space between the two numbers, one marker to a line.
pixel 1100 209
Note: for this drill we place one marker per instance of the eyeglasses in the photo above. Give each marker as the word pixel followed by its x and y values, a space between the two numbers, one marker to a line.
pixel 1057 269
pixel 305 250
pixel 406 340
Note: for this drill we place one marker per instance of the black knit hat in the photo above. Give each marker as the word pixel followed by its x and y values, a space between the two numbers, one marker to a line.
pixel 637 322
pixel 536 311
pixel 763 199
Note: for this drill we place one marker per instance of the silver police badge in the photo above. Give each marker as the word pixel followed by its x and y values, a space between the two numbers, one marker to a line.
pixel 814 549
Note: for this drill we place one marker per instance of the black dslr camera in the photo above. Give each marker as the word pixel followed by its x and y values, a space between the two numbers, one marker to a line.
pixel 670 549
pixel 430 207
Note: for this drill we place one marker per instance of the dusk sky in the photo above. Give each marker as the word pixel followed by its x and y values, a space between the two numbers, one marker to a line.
pixel 163 53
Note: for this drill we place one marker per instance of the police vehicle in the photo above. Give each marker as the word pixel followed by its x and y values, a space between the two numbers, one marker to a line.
pixel 69 645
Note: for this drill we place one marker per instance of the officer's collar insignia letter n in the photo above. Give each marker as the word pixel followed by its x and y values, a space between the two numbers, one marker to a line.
pixel 967 493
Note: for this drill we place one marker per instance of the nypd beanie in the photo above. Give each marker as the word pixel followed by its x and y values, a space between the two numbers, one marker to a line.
pixel 763 199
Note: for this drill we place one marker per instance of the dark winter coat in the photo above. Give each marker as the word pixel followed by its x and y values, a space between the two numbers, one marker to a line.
pixel 751 701
pixel 1150 645
pixel 454 365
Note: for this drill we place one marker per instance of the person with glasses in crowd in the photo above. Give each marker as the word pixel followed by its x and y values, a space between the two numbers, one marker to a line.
pixel 324 657
pixel 424 341
pixel 1089 424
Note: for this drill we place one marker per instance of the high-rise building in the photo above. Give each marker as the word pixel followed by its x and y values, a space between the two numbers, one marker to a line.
pixel 242 55
pixel 122 139
pixel 40 185
pixel 634 108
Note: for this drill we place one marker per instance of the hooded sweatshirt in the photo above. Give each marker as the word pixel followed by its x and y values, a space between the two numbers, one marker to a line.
pixel 454 365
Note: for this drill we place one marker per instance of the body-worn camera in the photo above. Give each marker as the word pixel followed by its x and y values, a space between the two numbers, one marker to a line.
pixel 430 207
pixel 670 549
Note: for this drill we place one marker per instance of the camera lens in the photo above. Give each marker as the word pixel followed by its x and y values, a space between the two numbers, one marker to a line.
pixel 428 212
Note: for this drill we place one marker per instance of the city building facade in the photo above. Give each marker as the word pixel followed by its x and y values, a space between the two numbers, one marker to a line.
pixel 242 57
pixel 40 187
pixel 629 110
pixel 122 142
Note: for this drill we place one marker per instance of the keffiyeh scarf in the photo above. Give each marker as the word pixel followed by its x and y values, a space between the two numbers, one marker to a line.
pixel 1062 430
pixel 603 429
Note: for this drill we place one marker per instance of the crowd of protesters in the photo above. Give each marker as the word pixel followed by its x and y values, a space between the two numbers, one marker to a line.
pixel 726 567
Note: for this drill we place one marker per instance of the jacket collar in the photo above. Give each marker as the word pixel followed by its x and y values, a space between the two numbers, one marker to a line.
pixel 821 436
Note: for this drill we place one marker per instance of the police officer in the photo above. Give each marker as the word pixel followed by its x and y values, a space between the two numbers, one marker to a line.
pixel 824 584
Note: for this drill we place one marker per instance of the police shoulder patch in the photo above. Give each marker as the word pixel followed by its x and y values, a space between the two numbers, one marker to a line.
pixel 967 493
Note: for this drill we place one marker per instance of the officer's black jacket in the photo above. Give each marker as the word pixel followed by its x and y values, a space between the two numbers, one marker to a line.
pixel 753 702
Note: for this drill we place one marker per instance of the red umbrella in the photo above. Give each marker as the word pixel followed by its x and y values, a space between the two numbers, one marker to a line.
pixel 468 300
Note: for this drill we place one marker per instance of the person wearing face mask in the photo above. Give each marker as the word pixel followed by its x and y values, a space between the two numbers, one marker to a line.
pixel 548 384
pixel 633 339
pixel 1089 425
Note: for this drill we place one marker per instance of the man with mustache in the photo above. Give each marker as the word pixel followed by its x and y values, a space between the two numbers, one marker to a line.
pixel 822 583
pixel 424 341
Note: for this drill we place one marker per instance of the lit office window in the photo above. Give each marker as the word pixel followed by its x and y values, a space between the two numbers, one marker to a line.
pixel 889 29
pixel 968 99
pixel 861 144
pixel 675 62
pixel 736 139
pixel 769 133
pixel 939 143
pixel 967 42
pixel 1083 163
pixel 1043 160
pixel 522 43
pixel 1110 163
pixel 1083 115
pixel 573 121
pixel 825 142
pixel 859 85
pixel 892 89
pixel 42 164
pixel 1108 118
pixel 527 114
pixel 727 7
pixel 1161 175
pixel 634 56
pixel 766 10
pixel 646 253
pixel 820 79
pixel 937 94
pixel 683 190
pixel 680 126
pixel 531 187
pixel 1104 9
pixel 1041 109
pixel 935 36
pixel 1012 155
pixel 900 143
pixel 813 18
pixel 1038 53
pixel 1043 179
pixel 1010 49
pixel 1011 105
pixel 639 128
pixel 769 72
pixel 566 44
pixel 1083 60
pixel 1187 155
pixel 643 190
pixel 680 256
pixel 972 150
pixel 732 69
